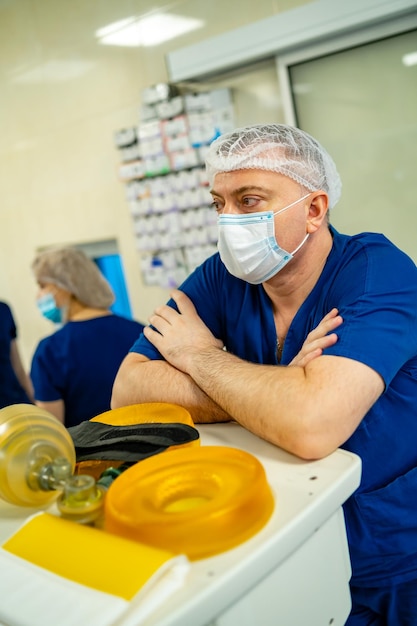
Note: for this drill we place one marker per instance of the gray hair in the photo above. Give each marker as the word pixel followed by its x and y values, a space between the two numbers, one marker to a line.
pixel 72 270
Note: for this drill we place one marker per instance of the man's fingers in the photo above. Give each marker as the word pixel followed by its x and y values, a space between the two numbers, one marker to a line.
pixel 310 357
pixel 168 313
pixel 327 324
pixel 183 302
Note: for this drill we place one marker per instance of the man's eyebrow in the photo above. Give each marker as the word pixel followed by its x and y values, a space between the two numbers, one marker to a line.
pixel 243 189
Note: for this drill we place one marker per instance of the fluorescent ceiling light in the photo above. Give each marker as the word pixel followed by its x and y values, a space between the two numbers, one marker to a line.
pixel 150 30
pixel 410 59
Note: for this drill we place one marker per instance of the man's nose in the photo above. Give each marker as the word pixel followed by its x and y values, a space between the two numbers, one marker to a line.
pixel 229 209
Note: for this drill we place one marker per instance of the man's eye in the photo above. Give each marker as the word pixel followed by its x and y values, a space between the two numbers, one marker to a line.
pixel 216 205
pixel 249 201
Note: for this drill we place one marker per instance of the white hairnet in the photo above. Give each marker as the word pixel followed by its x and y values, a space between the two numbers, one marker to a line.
pixel 276 148
pixel 72 270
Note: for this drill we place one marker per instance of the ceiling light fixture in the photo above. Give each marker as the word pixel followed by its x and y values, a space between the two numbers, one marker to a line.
pixel 150 30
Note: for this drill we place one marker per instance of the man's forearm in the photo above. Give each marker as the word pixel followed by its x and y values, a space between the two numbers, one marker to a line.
pixel 306 411
pixel 158 381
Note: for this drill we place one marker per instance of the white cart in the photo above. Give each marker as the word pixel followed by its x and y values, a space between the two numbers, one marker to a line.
pixel 294 572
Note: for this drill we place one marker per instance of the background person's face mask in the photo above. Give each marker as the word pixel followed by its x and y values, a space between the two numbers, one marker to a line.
pixel 49 309
pixel 248 247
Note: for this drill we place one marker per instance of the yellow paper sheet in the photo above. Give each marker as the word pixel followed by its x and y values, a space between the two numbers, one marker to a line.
pixel 86 555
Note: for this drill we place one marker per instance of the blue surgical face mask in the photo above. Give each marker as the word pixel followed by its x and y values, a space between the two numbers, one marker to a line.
pixel 248 247
pixel 49 309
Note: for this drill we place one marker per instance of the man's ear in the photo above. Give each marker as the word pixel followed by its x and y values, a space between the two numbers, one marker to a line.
pixel 317 212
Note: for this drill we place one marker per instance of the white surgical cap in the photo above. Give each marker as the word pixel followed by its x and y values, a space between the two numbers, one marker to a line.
pixel 72 270
pixel 276 148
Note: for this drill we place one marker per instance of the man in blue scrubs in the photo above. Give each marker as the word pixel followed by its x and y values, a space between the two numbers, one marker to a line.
pixel 220 347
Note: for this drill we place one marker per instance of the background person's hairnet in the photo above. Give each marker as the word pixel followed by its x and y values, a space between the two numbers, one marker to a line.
pixel 276 148
pixel 72 270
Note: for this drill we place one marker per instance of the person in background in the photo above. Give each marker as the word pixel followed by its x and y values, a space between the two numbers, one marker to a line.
pixel 222 345
pixel 73 369
pixel 15 384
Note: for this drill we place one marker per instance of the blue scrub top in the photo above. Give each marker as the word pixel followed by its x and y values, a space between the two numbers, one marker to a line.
pixel 11 391
pixel 79 362
pixel 374 286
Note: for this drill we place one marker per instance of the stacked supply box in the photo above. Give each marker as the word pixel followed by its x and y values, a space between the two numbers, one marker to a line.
pixel 162 166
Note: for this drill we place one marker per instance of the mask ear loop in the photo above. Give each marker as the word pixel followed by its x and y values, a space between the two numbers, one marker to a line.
pixel 301 244
pixel 288 207
pixel 292 203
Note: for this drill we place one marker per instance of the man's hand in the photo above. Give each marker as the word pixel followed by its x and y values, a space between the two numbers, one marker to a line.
pixel 180 335
pixel 318 339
